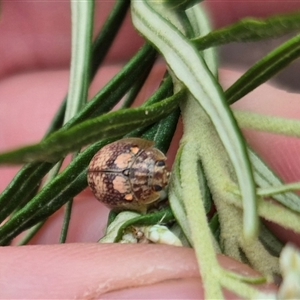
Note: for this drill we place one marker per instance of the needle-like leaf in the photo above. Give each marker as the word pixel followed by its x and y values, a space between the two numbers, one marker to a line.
pixel 108 126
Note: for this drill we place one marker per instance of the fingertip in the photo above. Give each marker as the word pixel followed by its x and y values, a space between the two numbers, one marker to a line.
pixel 89 270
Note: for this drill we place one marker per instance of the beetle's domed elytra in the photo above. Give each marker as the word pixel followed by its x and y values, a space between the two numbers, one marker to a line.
pixel 128 174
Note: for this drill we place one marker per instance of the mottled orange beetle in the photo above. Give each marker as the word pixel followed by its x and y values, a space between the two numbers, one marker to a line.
pixel 129 174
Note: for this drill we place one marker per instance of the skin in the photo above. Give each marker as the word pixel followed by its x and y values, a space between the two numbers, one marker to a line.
pixel 35 47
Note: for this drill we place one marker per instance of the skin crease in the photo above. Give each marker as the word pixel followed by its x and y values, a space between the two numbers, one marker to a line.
pixel 35 47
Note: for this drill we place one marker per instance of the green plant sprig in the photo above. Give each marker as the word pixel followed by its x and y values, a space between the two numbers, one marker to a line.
pixel 186 63
pixel 250 30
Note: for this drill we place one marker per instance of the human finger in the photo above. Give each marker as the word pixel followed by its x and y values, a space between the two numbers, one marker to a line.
pixel 91 271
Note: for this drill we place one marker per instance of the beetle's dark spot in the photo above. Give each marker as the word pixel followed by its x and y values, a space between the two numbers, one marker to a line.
pixel 160 163
pixel 126 172
pixel 157 188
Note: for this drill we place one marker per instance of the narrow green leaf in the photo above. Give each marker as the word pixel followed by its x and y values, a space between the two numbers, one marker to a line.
pixel 113 92
pixel 82 14
pixel 82 31
pixel 214 226
pixel 21 188
pixel 189 67
pixel 66 221
pixel 264 70
pixel 270 242
pixel 110 125
pixel 176 198
pixel 161 217
pixel 265 178
pixel 138 85
pixel 162 132
pixel 54 195
pixel 206 195
pixel 58 119
pixel 201 26
pixel 274 190
pixel 111 217
pixel 176 194
pixel 199 228
pixel 108 33
pixel 31 233
pixel 249 30
pixel 114 227
pixel 267 123
pixel 165 90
